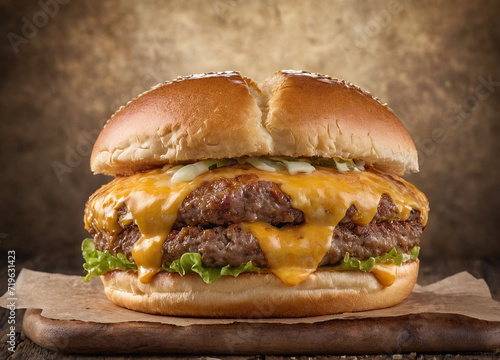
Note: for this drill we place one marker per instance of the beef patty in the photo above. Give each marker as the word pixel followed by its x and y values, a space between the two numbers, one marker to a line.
pixel 207 223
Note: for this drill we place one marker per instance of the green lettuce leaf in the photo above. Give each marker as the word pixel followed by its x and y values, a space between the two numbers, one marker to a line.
pixel 366 265
pixel 191 263
pixel 100 262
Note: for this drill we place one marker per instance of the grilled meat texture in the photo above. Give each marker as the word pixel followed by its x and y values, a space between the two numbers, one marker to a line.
pixel 207 223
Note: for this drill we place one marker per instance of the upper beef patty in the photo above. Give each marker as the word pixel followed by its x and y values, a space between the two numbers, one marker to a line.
pixel 207 223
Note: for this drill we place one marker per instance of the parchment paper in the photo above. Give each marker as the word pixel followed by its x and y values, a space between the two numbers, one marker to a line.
pixel 66 297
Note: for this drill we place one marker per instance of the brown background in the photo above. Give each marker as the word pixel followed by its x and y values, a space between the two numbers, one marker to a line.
pixel 61 79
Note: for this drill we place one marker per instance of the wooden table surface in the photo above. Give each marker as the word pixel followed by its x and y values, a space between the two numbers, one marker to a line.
pixel 430 271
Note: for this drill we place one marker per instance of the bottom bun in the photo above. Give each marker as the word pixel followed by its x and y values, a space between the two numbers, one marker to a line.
pixel 257 295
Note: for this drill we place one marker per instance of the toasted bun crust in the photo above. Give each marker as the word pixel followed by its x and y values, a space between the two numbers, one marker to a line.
pixel 253 295
pixel 224 115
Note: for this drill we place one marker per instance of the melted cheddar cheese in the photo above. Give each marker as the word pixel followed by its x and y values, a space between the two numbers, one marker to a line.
pixel 292 252
pixel 385 273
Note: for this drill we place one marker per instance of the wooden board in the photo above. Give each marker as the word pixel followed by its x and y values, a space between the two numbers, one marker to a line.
pixel 415 333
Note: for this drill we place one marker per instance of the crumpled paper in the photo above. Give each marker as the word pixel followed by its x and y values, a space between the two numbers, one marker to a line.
pixel 67 297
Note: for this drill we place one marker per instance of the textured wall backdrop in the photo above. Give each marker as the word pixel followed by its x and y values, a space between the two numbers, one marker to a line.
pixel 66 66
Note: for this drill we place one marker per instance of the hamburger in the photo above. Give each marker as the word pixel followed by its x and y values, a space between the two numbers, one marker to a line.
pixel 237 200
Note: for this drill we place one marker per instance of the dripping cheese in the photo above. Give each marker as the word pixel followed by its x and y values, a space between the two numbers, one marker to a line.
pixel 292 253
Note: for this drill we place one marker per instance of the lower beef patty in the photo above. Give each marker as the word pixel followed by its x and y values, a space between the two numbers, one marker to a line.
pixel 207 223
